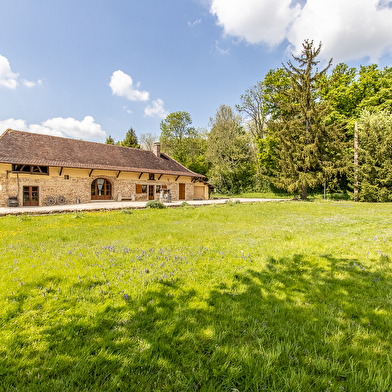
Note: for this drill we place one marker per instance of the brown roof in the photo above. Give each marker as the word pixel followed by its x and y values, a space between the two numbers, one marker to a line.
pixel 43 150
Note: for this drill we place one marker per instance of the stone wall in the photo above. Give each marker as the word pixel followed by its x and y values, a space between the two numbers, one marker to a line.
pixel 78 186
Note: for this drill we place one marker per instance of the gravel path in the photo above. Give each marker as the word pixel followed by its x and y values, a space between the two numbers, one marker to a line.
pixel 114 205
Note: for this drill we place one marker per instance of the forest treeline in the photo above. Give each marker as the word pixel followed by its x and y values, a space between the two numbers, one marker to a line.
pixel 293 131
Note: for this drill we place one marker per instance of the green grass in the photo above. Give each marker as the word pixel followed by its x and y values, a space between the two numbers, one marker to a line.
pixel 312 196
pixel 239 297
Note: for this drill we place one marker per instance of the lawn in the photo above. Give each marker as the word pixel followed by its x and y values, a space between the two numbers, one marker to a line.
pixel 292 296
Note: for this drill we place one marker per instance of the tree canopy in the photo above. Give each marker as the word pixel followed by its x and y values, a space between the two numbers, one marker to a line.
pixel 229 156
pixel 130 139
pixel 309 150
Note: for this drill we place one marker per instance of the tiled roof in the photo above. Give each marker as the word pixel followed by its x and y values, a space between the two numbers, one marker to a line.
pixel 43 150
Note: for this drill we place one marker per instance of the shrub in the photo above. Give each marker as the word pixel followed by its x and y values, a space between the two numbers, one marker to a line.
pixel 233 202
pixel 184 204
pixel 155 204
pixel 127 211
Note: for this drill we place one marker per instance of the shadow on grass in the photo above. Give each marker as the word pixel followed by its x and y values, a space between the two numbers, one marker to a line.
pixel 288 325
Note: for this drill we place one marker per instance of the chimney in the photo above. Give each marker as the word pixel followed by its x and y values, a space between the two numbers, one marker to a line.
pixel 156 149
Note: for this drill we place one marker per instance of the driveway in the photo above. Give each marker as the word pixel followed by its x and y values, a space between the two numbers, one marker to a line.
pixel 114 205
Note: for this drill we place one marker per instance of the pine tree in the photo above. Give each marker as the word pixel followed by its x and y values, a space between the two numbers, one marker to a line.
pixel 309 151
pixel 109 140
pixel 130 139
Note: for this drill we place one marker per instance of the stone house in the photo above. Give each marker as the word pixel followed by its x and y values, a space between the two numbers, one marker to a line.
pixel 41 170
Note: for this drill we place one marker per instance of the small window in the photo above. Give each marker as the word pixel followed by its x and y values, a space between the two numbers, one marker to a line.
pixel 151 176
pixel 66 177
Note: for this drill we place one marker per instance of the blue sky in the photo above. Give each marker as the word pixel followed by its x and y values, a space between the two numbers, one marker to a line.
pixel 90 68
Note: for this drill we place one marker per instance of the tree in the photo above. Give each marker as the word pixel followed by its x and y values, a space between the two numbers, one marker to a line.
pixel 196 147
pixel 253 106
pixel 176 131
pixel 379 98
pixel 229 156
pixel 309 150
pixel 147 141
pixel 375 156
pixel 109 140
pixel 130 139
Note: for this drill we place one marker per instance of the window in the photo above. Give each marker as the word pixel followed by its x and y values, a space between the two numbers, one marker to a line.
pixel 159 187
pixel 141 188
pixel 31 169
pixel 151 176
pixel 66 177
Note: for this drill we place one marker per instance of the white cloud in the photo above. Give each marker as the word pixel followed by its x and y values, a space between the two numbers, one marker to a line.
pixel 128 111
pixel 193 24
pixel 122 85
pixel 19 125
pixel 348 29
pixel 7 77
pixel 255 20
pixel 156 109
pixel 85 129
pixel 220 50
pixel 29 84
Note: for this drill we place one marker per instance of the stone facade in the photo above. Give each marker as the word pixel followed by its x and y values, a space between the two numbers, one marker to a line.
pixel 75 185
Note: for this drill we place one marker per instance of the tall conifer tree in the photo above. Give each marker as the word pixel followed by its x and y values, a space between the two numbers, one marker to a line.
pixel 130 139
pixel 309 150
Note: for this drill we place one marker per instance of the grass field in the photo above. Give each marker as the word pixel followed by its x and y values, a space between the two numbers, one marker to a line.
pixel 273 296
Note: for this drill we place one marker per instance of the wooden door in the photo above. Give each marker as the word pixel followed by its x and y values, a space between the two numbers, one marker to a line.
pixel 101 189
pixel 30 195
pixel 151 192
pixel 181 192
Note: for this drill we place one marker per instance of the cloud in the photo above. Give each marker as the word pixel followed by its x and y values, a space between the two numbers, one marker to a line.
pixel 255 20
pixel 349 29
pixel 85 129
pixel 220 50
pixel 128 111
pixel 7 77
pixel 193 24
pixel 122 85
pixel 156 109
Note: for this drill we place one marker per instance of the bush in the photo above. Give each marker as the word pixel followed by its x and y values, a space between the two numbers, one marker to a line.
pixel 127 211
pixel 155 204
pixel 233 202
pixel 184 204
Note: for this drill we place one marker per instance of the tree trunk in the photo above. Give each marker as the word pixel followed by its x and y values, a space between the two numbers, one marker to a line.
pixel 304 193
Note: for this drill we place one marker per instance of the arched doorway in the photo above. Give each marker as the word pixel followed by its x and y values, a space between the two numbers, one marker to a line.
pixel 101 189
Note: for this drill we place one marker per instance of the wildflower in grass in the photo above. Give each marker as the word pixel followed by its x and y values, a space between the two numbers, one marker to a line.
pixel 126 297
